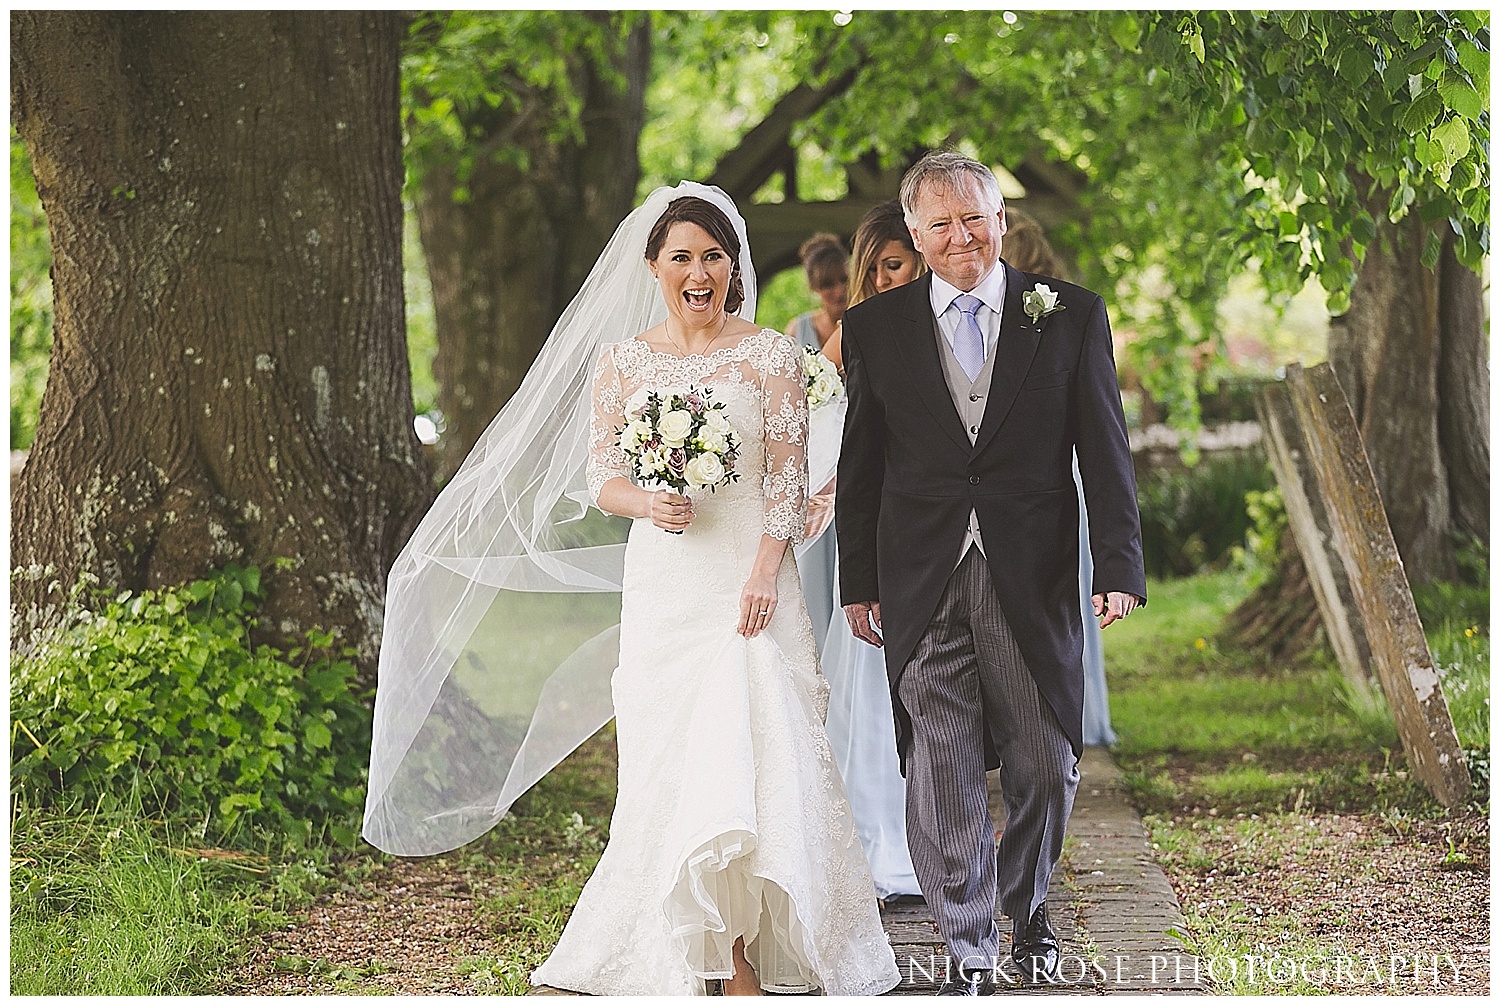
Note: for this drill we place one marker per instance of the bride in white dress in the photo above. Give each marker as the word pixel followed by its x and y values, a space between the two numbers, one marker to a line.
pixel 733 854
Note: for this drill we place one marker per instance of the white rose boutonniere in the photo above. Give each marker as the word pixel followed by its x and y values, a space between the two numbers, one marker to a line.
pixel 1039 302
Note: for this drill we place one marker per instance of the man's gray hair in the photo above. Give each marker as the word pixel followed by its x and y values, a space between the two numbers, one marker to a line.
pixel 947 169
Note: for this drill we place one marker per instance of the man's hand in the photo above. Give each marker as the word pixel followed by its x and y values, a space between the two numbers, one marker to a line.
pixel 860 616
pixel 1114 606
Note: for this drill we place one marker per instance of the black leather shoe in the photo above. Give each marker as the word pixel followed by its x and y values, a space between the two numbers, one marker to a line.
pixel 969 983
pixel 1035 950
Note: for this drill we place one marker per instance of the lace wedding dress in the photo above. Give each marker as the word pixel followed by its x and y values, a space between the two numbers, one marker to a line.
pixel 730 820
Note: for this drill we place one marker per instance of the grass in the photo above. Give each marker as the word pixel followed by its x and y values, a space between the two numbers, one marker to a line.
pixel 1231 760
pixel 111 904
pixel 1203 725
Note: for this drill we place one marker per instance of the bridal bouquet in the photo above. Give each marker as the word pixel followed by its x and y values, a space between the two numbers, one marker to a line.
pixel 679 440
pixel 823 381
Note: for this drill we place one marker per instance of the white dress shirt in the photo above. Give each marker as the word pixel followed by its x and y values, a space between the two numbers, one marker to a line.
pixel 991 290
pixel 991 293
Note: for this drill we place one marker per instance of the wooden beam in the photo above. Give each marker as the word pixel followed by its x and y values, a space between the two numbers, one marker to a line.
pixel 1377 580
pixel 1312 529
pixel 758 155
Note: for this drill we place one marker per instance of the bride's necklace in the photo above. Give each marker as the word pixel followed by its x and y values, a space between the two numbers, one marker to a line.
pixel 723 323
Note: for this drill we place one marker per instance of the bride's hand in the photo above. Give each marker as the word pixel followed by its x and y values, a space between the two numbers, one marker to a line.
pixel 757 604
pixel 669 511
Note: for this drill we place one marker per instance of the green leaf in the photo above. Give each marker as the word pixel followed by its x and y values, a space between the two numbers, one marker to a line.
pixel 1401 200
pixel 317 735
pixel 1459 95
pixel 1464 176
pixel 1356 64
pixel 1289 223
pixel 1296 25
pixel 1431 250
pixel 1422 112
pixel 1363 229
pixel 1427 153
pixel 1404 24
pixel 1125 31
pixel 1453 136
pixel 1473 59
pixel 1195 42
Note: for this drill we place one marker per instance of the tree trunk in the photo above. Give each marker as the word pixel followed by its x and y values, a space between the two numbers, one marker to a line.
pixel 1280 619
pixel 229 380
pixel 506 261
pixel 1410 355
pixel 1464 396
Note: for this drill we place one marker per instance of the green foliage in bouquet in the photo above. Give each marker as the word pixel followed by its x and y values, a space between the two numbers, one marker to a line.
pixel 162 694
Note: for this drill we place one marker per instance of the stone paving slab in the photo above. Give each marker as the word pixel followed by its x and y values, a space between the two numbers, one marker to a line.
pixel 1115 914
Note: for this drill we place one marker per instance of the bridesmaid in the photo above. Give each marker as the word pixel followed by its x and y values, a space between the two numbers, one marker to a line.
pixel 827 267
pixel 826 264
pixel 860 725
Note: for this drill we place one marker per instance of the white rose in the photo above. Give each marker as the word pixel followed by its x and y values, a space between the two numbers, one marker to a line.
pixel 704 471
pixel 636 432
pixel 674 427
pixel 1048 295
pixel 636 402
pixel 718 422
pixel 825 386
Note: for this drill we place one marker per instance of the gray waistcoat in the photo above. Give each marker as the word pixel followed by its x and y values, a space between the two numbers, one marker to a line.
pixel 969 398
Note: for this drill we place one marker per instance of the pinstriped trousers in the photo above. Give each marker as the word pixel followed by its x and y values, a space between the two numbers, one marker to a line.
pixel 967 676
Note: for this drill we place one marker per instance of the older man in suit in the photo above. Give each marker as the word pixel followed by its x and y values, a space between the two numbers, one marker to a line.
pixel 969 391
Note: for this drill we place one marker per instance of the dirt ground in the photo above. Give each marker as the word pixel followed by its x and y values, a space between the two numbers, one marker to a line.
pixel 1371 886
pixel 1405 901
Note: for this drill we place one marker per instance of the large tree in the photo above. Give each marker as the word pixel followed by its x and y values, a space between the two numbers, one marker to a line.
pixel 1364 137
pixel 229 378
pixel 1348 148
pixel 524 128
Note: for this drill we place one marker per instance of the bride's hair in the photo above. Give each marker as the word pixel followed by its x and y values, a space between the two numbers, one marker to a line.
pixel 692 210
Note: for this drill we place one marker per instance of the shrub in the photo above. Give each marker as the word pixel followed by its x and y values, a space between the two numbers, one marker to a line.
pixel 1262 548
pixel 163 694
pixel 1191 519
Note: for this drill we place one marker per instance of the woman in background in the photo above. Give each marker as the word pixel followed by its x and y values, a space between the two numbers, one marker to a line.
pixel 827 267
pixel 884 258
pixel 826 264
pixel 860 725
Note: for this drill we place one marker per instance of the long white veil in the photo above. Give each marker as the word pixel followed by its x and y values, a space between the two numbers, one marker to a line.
pixel 502 612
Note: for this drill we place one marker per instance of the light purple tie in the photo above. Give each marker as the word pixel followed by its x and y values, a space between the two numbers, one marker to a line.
pixel 968 341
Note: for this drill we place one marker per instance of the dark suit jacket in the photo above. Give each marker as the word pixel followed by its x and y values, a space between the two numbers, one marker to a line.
pixel 908 478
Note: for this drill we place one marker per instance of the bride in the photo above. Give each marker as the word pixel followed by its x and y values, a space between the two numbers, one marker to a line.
pixel 733 854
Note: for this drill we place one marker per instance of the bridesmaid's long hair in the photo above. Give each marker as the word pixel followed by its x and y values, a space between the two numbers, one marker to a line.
pixel 883 223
